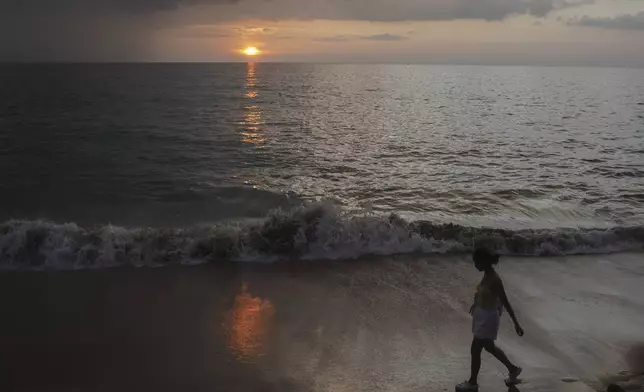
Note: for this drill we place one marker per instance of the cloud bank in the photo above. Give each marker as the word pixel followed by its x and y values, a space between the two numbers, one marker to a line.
pixel 371 10
pixel 622 22
pixel 384 37
pixel 135 30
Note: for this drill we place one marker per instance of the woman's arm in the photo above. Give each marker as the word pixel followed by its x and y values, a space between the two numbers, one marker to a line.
pixel 506 304
pixel 476 295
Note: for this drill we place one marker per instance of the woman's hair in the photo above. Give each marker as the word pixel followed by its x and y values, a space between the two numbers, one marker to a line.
pixel 486 256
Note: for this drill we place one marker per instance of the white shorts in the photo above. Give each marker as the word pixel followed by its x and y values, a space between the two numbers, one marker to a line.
pixel 485 323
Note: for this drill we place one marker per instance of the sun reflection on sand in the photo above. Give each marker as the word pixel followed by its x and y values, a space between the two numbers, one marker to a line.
pixel 248 326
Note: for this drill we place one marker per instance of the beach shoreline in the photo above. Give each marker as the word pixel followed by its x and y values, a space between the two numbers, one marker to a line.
pixel 394 323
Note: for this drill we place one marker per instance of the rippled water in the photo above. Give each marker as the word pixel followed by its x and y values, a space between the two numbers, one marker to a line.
pixel 167 145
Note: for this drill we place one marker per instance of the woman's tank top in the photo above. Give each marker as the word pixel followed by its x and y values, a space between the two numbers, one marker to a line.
pixel 486 297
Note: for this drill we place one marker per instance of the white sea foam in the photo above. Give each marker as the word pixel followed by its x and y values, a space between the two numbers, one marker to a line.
pixel 314 232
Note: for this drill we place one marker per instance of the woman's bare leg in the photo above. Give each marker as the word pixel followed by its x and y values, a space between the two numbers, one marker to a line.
pixel 490 347
pixel 475 351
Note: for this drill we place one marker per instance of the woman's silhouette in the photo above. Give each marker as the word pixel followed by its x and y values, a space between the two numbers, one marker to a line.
pixel 489 301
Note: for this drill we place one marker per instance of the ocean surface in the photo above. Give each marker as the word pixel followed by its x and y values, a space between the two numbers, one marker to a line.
pixel 158 164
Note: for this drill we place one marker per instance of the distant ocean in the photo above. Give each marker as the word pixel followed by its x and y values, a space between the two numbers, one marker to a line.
pixel 155 164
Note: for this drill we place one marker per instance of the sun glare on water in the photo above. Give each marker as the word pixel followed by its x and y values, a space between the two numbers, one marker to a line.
pixel 251 51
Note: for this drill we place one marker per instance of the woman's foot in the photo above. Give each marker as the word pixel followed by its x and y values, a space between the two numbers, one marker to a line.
pixel 514 375
pixel 467 386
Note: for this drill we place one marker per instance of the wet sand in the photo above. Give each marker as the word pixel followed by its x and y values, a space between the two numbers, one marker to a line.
pixel 396 324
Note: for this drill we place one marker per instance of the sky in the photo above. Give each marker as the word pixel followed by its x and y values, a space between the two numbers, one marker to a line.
pixel 530 32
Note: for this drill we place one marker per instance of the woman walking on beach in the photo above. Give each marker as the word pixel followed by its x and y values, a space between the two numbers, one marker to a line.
pixel 489 301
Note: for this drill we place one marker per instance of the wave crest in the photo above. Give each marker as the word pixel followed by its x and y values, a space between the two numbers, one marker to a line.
pixel 314 232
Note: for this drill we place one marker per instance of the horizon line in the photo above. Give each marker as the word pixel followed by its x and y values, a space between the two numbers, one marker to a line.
pixel 197 62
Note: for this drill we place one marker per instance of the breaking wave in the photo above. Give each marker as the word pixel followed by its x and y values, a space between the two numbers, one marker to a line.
pixel 314 232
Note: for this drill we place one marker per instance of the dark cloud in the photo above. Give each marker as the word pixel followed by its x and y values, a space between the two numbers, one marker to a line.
pixel 384 37
pixel 376 37
pixel 203 34
pixel 622 22
pixel 335 38
pixel 94 6
pixel 82 30
pixel 89 39
pixel 408 10
pixel 254 30
pixel 374 10
pixel 87 30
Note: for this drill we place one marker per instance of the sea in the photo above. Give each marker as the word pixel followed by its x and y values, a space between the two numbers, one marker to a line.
pixel 157 164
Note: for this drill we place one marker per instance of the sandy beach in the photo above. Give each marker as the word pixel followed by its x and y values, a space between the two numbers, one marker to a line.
pixel 392 324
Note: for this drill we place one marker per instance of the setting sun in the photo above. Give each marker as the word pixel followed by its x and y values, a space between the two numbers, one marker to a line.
pixel 251 51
